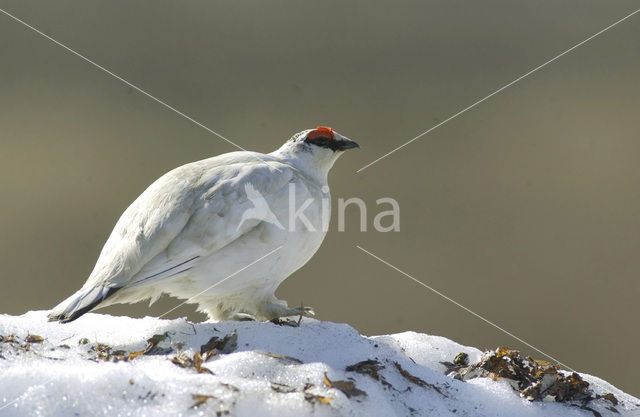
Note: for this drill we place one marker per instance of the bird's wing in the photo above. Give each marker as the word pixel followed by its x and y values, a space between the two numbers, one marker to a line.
pixel 188 213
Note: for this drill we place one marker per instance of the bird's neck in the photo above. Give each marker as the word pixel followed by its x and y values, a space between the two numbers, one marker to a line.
pixel 314 163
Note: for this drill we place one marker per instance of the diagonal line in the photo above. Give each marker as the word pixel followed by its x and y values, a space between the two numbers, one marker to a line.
pixel 24 392
pixel 13 401
pixel 140 90
pixel 499 90
pixel 220 282
pixel 466 309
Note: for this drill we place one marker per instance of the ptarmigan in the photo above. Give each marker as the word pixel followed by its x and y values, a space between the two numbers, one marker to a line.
pixel 186 236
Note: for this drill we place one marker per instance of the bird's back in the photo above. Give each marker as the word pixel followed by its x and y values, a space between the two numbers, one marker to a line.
pixel 168 223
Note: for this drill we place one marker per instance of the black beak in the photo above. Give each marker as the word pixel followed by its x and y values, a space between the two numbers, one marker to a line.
pixel 348 144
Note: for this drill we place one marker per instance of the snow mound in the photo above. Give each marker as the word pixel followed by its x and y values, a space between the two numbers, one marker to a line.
pixel 119 366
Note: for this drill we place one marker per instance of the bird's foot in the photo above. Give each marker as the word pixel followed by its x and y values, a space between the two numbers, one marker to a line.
pixel 279 310
pixel 300 311
pixel 290 312
pixel 242 317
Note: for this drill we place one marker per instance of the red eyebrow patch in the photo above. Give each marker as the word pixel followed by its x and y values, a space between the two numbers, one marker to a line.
pixel 321 132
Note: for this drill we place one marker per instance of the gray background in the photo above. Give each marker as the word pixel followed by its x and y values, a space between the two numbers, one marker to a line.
pixel 525 209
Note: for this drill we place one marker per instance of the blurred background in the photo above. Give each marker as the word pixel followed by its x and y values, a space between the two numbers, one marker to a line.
pixel 525 209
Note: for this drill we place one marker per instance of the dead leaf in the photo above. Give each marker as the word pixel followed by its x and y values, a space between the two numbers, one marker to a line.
pixel 595 413
pixel 415 380
pixel 182 360
pixel 285 322
pixel 227 344
pixel 503 351
pixel 103 352
pixel 536 380
pixel 611 398
pixel 347 387
pixel 369 367
pixel 197 362
pixel 152 342
pixel 133 355
pixel 208 355
pixel 461 359
pixel 157 338
pixel 200 399
pixel 281 388
pixel 230 387
pixel 34 338
pixel 539 362
pixel 283 357
pixel 313 398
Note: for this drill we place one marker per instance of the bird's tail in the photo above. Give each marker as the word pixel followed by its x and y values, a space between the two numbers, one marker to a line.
pixel 83 301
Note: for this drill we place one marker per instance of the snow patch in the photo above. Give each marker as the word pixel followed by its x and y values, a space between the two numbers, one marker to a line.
pixel 275 370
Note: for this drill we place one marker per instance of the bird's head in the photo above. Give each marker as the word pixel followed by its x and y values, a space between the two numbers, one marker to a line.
pixel 324 140
pixel 316 149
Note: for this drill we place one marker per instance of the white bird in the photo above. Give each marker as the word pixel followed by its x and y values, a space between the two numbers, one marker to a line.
pixel 187 236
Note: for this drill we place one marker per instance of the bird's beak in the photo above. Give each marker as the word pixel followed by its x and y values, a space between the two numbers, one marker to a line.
pixel 348 144
pixel 345 142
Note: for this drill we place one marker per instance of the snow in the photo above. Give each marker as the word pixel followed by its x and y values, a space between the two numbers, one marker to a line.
pixel 45 379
